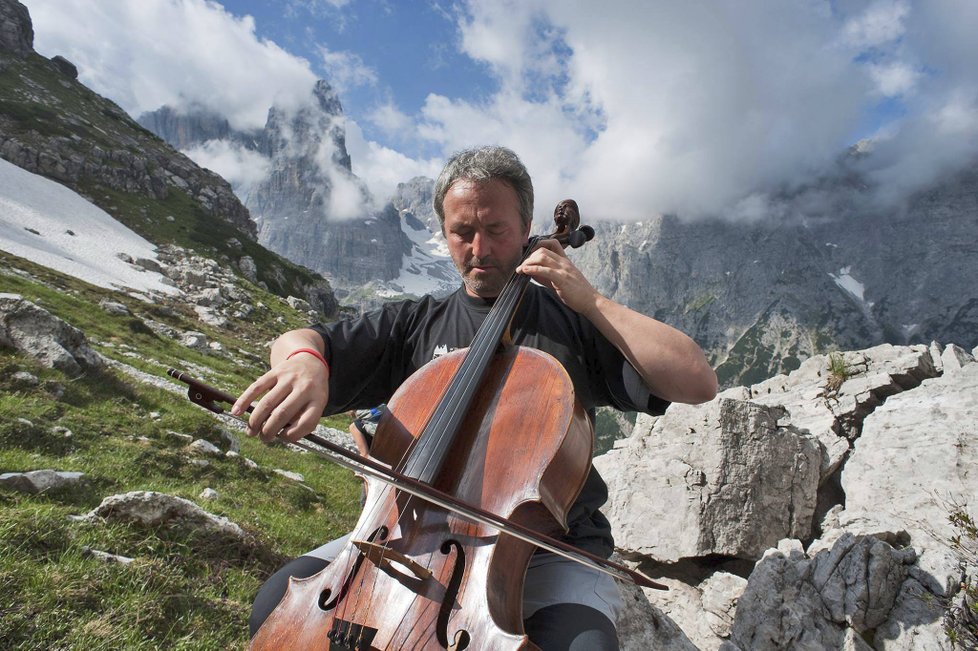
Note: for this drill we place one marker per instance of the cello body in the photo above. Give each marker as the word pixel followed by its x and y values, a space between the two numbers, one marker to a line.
pixel 416 576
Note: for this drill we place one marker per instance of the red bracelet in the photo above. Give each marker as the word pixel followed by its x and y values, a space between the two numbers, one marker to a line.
pixel 312 351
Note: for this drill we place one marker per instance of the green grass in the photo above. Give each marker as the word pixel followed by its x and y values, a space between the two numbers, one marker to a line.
pixel 839 372
pixel 182 591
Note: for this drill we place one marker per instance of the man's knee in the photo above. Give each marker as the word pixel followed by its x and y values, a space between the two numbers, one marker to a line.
pixel 571 627
pixel 274 588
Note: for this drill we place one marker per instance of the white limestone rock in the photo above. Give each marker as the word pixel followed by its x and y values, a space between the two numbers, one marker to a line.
pixel 43 336
pixel 153 509
pixel 725 477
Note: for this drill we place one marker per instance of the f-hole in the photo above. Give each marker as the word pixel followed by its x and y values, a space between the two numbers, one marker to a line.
pixel 324 596
pixel 461 637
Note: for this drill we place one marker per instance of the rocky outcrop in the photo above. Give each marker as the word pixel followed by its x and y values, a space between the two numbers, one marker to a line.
pixel 16 30
pixel 187 128
pixel 814 273
pixel 153 509
pixel 68 133
pixel 41 481
pixel 36 332
pixel 310 208
pixel 824 493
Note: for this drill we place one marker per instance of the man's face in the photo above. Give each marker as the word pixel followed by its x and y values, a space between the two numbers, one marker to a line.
pixel 485 234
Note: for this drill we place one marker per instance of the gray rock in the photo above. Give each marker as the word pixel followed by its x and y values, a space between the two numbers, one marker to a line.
pixel 149 264
pixel 16 30
pixel 25 379
pixel 248 268
pixel 915 456
pixel 954 358
pixel 726 475
pixel 200 446
pixel 40 481
pixel 288 474
pixel 210 297
pixel 186 438
pixel 194 340
pixel 106 557
pixel 642 626
pixel 208 494
pixel 152 509
pixel 298 304
pixel 793 601
pixel 230 441
pixel 834 414
pixel 43 336
pixel 65 67
pixel 113 307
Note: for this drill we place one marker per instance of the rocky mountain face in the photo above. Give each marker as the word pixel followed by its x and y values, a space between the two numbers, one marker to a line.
pixel 761 297
pixel 183 130
pixel 76 151
pixel 52 125
pixel 302 207
pixel 809 511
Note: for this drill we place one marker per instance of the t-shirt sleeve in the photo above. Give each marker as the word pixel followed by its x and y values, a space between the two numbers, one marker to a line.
pixel 624 387
pixel 366 356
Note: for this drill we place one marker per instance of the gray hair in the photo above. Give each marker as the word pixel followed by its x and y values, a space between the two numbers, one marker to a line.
pixel 484 164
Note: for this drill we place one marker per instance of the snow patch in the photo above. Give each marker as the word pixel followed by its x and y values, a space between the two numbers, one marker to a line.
pixel 427 269
pixel 48 224
pixel 845 280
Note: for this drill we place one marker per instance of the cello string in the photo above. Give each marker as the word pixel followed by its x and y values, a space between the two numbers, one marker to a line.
pixel 484 345
pixel 462 383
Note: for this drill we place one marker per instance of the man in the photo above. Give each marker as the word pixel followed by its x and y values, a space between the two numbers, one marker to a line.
pixel 614 356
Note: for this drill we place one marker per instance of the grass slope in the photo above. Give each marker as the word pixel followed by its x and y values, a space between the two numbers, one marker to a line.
pixel 182 591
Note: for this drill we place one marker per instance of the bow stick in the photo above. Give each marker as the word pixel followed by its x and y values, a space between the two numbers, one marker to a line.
pixel 208 397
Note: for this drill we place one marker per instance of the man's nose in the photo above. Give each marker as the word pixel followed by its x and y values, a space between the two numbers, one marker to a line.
pixel 480 246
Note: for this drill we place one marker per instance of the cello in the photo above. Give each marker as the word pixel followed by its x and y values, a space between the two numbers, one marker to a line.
pixel 415 573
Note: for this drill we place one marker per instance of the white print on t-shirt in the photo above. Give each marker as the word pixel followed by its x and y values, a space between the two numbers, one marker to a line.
pixel 442 349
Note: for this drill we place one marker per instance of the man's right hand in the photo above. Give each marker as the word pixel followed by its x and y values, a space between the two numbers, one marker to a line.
pixel 295 390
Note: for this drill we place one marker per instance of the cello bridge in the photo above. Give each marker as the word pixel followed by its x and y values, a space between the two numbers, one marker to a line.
pixel 385 558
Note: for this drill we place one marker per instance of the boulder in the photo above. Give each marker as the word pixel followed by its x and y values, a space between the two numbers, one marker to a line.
pixel 793 601
pixel 40 481
pixel 725 476
pixel 65 67
pixel 43 336
pixel 152 509
pixel 16 30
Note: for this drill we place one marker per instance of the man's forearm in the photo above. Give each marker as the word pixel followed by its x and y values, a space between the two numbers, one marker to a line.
pixel 672 365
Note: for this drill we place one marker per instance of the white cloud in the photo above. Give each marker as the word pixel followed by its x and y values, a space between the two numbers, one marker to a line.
pixel 636 108
pixel 240 167
pixel 382 168
pixel 153 52
pixel 346 69
pixel 391 120
pixel 894 79
pixel 702 107
pixel 879 24
pixel 686 107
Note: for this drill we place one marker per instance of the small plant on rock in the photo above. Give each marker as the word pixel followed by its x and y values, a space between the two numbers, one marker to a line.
pixel 838 372
pixel 961 613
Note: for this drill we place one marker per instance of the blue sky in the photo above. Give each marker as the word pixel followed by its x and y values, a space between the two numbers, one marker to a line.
pixel 637 108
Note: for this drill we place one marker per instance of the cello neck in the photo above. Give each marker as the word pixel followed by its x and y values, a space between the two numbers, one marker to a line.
pixel 426 459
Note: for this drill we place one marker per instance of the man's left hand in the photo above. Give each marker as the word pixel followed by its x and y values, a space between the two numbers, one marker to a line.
pixel 550 266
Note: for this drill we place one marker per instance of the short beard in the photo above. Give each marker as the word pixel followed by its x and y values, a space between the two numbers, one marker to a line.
pixel 492 286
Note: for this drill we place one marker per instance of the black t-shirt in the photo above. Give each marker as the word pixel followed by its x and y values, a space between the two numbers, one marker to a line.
pixel 371 356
